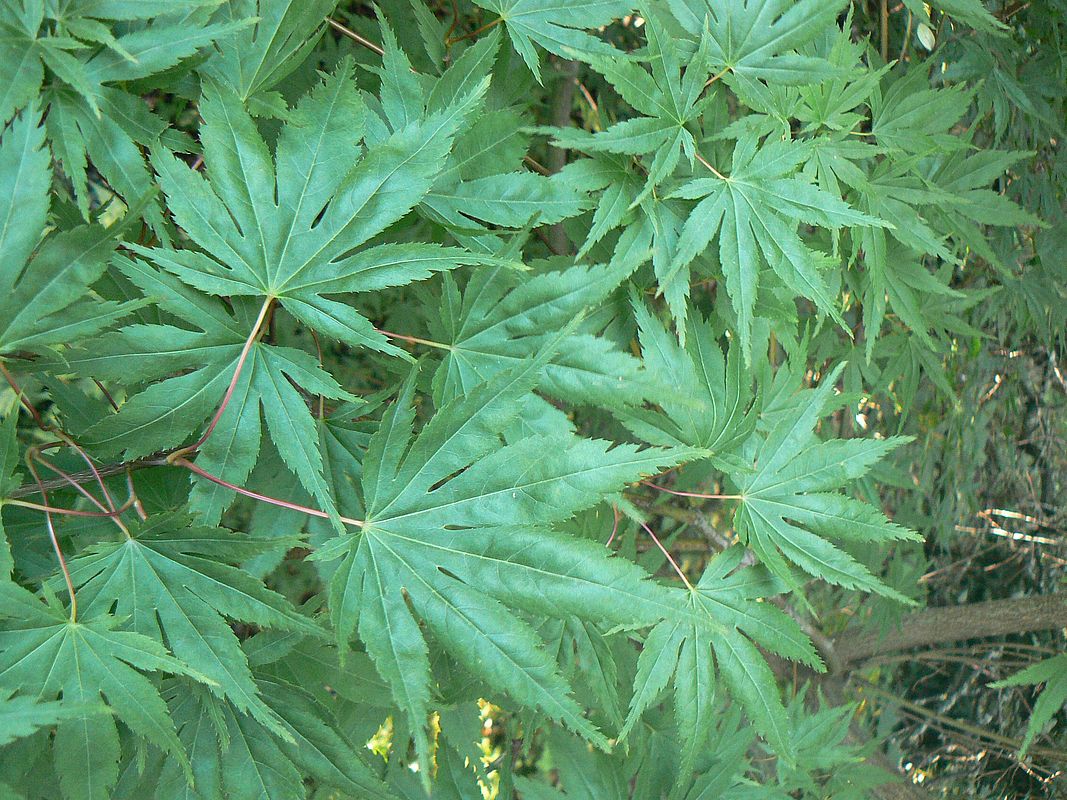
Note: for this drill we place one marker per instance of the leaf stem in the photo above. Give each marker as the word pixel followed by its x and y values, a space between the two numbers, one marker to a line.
pixel 22 397
pixel 415 340
pixel 614 525
pixel 70 512
pixel 89 463
pixel 707 164
pixel 180 461
pixel 670 558
pixel 245 350
pixel 452 40
pixel 694 494
pixel 49 523
pixel 355 37
pixel 716 76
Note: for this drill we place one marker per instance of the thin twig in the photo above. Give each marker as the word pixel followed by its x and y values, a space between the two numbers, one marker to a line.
pixel 22 397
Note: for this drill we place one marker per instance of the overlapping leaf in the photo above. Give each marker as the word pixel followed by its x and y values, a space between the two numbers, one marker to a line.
pixel 758 38
pixel 192 370
pixel 457 551
pixel 718 637
pixel 43 655
pixel 235 757
pixel 44 295
pixel 556 25
pixel 500 318
pixel 482 183
pixel 710 405
pixel 667 97
pixel 186 596
pixel 295 227
pixel 755 212
pixel 88 48
pixel 790 504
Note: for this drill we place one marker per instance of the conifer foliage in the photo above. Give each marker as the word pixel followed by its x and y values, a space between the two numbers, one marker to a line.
pixel 360 363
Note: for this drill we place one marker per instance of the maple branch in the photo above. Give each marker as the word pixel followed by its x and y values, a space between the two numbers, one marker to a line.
pixel 953 623
pixel 106 470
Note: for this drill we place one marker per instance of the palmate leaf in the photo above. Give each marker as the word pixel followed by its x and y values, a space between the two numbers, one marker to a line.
pixel 309 242
pixel 169 411
pixel 718 637
pixel 790 504
pixel 556 25
pixel 758 38
pixel 43 654
pixel 234 757
pixel 44 294
pixel 667 97
pixel 755 212
pixel 88 48
pixel 461 551
pixel 9 460
pixel 501 318
pixel 1053 673
pixel 187 590
pixel 709 406
pixel 482 182
pixel 256 58
pixel 22 716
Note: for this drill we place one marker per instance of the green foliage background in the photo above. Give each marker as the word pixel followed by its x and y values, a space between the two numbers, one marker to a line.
pixel 545 393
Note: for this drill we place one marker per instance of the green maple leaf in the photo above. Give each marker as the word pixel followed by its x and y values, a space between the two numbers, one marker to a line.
pixel 9 459
pixel 555 25
pixel 22 716
pixel 311 240
pixel 43 654
pixel 710 405
pixel 461 552
pixel 45 298
pixel 91 50
pixel 667 97
pixel 235 757
pixel 482 182
pixel 256 58
pixel 501 318
pixel 206 360
pixel 758 38
pixel 1053 673
pixel 755 212
pixel 718 636
pixel 788 505
pixel 186 594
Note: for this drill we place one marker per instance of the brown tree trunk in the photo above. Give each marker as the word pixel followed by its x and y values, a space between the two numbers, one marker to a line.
pixel 955 623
